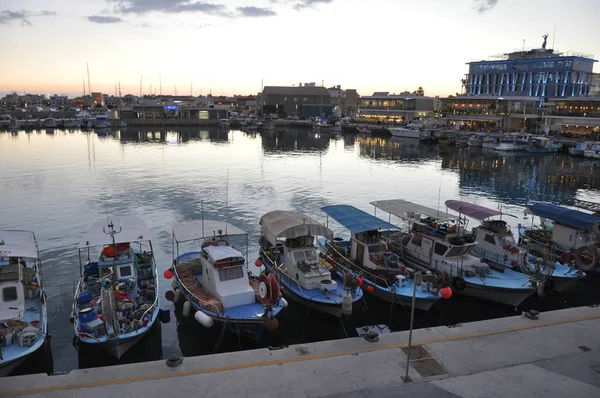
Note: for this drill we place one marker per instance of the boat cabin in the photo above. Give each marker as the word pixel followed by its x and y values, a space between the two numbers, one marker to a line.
pixel 223 275
pixel 367 249
pixel 288 238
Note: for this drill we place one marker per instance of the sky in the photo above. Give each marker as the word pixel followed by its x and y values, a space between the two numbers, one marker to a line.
pixel 228 47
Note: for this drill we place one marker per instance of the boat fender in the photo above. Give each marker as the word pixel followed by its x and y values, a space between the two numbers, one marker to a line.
pixel 174 284
pixel 284 302
pixel 586 257
pixel 347 304
pixel 187 308
pixel 164 315
pixel 458 283
pixel 176 295
pixel 566 258
pixel 203 319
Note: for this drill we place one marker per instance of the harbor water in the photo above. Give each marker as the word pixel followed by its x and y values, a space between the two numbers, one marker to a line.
pixel 57 183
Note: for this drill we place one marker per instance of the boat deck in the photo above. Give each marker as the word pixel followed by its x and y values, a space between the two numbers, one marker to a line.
pixel 33 313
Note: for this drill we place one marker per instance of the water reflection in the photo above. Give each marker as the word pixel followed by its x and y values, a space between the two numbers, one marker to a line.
pixel 167 175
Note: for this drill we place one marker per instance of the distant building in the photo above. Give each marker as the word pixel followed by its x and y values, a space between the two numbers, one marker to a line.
pixel 343 102
pixel 97 99
pixel 383 106
pixel 57 101
pixel 303 101
pixel 595 88
pixel 535 73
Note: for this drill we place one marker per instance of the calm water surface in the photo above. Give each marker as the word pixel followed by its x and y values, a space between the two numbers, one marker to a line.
pixel 57 184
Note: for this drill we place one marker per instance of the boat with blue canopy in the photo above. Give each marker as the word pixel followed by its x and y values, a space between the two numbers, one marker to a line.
pixel 571 235
pixel 23 318
pixel 495 244
pixel 288 251
pixel 214 280
pixel 438 242
pixel 371 261
pixel 116 300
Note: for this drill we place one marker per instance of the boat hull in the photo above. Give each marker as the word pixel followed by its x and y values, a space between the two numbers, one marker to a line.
pixel 405 133
pixel 420 303
pixel 510 297
pixel 8 367
pixel 118 347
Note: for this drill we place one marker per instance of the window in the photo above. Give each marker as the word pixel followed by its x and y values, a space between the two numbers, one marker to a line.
pixel 311 255
pixel 490 239
pixel 227 274
pixel 456 251
pixel 305 99
pixel 378 248
pixel 9 294
pixel 439 249
pixel 298 256
pixel 284 99
pixel 295 99
pixel 417 240
pixel 125 271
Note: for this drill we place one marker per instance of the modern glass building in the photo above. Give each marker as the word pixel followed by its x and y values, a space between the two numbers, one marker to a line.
pixel 533 73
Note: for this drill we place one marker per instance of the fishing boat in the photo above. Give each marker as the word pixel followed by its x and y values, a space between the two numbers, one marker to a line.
pixel 543 145
pixel 514 142
pixel 215 281
pixel 72 123
pixel 363 130
pixel 50 123
pixel 411 130
pixel 116 300
pixel 572 236
pixel 367 255
pixel 495 244
pixel 491 141
pixel 288 251
pixel 23 319
pixel 101 122
pixel 579 149
pixel 593 152
pixel 476 140
pixel 438 243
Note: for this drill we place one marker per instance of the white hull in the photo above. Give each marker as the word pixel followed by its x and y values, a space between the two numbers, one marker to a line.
pixel 405 133
pixel 474 144
pixel 513 298
pixel 592 154
pixel 117 348
pixel 101 125
pixel 507 147
pixel 336 311
pixel 489 145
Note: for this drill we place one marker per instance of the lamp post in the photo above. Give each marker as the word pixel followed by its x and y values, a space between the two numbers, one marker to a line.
pixel 418 280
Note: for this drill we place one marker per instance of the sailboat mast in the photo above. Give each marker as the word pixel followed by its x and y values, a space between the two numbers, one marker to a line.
pixel 89 85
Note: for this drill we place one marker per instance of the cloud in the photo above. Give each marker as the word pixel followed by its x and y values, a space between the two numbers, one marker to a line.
pixel 251 11
pixel 302 4
pixel 104 19
pixel 168 6
pixel 485 5
pixel 7 16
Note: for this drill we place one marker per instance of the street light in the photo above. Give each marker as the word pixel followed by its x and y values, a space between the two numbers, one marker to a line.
pixel 418 280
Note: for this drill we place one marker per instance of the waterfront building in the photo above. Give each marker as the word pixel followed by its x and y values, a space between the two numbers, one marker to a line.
pixel 343 102
pixel 535 90
pixel 308 100
pixel 57 101
pixel 383 106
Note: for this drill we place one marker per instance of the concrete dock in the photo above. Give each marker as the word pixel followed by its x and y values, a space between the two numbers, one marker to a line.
pixel 556 355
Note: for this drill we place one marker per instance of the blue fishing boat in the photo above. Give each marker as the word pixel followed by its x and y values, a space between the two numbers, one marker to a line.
pixel 495 245
pixel 116 300
pixel 23 319
pixel 438 243
pixel 216 283
pixel 288 251
pixel 572 236
pixel 367 255
pixel 543 145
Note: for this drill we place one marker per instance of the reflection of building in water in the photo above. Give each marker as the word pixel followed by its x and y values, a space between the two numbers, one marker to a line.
pixel 172 135
pixel 380 148
pixel 294 140
pixel 516 178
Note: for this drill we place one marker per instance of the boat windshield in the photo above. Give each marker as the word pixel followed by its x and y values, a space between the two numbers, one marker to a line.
pixel 458 251
pixel 507 240
pixel 378 248
pixel 305 255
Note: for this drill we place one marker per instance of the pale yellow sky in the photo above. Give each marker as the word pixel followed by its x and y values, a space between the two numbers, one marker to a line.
pixel 376 45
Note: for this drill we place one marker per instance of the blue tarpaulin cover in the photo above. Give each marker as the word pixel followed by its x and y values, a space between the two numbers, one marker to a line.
pixel 563 215
pixel 355 219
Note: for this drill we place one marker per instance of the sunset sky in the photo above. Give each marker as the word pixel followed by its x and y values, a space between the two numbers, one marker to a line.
pixel 230 46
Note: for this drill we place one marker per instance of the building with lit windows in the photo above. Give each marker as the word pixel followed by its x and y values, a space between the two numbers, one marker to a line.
pixel 383 106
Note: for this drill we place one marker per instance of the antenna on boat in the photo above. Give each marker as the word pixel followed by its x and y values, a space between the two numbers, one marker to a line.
pixel 227 200
pixel 202 213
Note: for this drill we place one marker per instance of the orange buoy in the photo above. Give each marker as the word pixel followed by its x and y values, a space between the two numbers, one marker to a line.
pixel 446 292
pixel 258 262
pixel 371 289
pixel 272 324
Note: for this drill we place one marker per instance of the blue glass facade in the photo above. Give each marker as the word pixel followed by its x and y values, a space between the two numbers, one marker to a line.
pixel 541 75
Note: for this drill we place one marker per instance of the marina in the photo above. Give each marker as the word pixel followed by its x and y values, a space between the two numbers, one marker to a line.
pixel 331 164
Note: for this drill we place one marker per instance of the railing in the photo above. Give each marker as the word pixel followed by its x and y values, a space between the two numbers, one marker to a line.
pixel 202 303
pixel 277 269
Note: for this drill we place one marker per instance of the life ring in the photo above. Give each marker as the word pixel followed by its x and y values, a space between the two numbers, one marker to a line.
pixel 586 257
pixel 268 289
pixel 459 283
pixel 566 258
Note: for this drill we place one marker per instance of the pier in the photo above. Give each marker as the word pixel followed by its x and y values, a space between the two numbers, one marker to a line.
pixel 552 356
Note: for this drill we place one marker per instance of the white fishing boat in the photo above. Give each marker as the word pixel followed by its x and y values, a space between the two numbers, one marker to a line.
pixel 23 319
pixel 495 244
pixel 116 300
pixel 514 142
pixel 593 152
pixel 363 130
pixel 438 243
pixel 579 149
pixel 215 281
pixel 72 123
